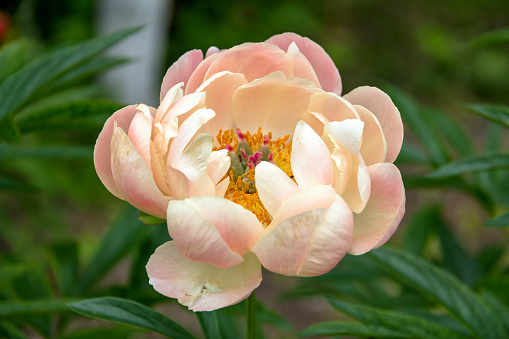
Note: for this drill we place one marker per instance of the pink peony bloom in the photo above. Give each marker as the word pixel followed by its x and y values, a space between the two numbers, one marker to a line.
pixel 260 163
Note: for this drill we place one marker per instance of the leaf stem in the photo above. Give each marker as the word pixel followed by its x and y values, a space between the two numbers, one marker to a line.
pixel 251 316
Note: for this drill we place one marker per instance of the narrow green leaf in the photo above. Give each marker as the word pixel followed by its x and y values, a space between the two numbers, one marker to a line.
pixel 65 262
pixel 10 308
pixel 148 219
pixel 419 124
pixel 501 310
pixel 15 55
pixel 209 324
pixel 128 312
pixel 496 113
pixel 441 287
pixel 333 328
pixel 499 221
pixel 67 115
pixel 405 324
pixel 120 332
pixel 475 163
pixel 8 152
pixel 420 228
pixel 7 183
pixel 19 87
pixel 454 133
pixel 9 131
pixel 8 330
pixel 490 38
pixel 410 154
pixel 123 235
pixel 9 272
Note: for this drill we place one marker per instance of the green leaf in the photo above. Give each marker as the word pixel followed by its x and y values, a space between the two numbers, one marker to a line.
pixel 419 229
pixel 9 272
pixel 65 262
pixel 123 235
pixel 412 326
pixel 410 154
pixel 441 287
pixel 71 114
pixel 454 133
pixel 7 183
pixel 496 113
pixel 8 330
pixel 209 324
pixel 8 152
pixel 499 221
pixel 419 124
pixel 128 312
pixel 21 86
pixel 12 308
pixel 148 219
pixel 15 55
pixel 501 310
pixel 120 332
pixel 490 38
pixel 333 328
pixel 475 163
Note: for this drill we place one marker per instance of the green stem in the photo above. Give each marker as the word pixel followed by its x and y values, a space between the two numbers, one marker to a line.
pixel 251 316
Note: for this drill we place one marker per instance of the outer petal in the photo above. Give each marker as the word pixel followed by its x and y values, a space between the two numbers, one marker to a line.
pixel 140 132
pixel 212 230
pixel 254 60
pixel 309 235
pixel 219 90
pixel 181 70
pixel 301 66
pixel 381 105
pixel 201 287
pixel 273 186
pixel 383 212
pixel 324 67
pixel 198 75
pixel 311 160
pixel 133 178
pixel 331 107
pixel 374 147
pixel 102 150
pixel 273 103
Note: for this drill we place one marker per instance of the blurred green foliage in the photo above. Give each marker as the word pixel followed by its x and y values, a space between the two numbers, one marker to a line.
pixel 64 237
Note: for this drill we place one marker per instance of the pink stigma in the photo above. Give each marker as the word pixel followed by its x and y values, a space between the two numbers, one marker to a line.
pixel 239 134
pixel 266 140
pixel 229 148
pixel 243 153
pixel 271 157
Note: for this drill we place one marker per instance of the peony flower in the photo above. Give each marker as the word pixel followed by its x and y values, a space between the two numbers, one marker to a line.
pixel 260 163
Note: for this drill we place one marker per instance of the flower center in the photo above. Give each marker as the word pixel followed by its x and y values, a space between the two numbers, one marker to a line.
pixel 246 151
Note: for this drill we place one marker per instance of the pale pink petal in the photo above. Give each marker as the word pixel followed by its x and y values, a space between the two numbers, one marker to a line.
pixel 311 160
pixel 381 105
pixel 273 185
pixel 211 50
pixel 140 133
pixel 383 211
pixel 301 66
pixel 181 70
pixel 277 103
pixel 174 94
pixel 218 164
pixel 222 187
pixel 133 178
pixel 198 286
pixel 157 165
pixel 332 107
pixel 220 89
pixel 352 177
pixel 331 240
pixel 310 219
pixel 254 60
pixel 324 67
pixel 212 230
pixel 102 149
pixel 198 75
pixel 373 147
pixel 395 223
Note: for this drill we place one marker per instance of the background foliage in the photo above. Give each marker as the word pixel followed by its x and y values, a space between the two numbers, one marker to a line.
pixel 65 240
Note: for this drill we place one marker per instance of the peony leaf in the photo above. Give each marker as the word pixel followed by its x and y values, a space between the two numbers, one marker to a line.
pixel 474 163
pixel 346 328
pixel 496 113
pixel 499 221
pixel 209 324
pixel 128 312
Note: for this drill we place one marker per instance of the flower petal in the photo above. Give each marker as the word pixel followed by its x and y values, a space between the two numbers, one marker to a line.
pixel 311 160
pixel 273 186
pixel 133 178
pixel 324 67
pixel 291 246
pixel 254 60
pixel 198 75
pixel 381 105
pixel 373 147
pixel 140 132
pixel 218 164
pixel 212 230
pixel 383 211
pixel 219 89
pixel 181 70
pixel 174 94
pixel 277 103
pixel 301 66
pixel 198 286
pixel 102 150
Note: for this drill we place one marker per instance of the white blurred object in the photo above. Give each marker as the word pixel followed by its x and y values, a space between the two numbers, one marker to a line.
pixel 139 80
